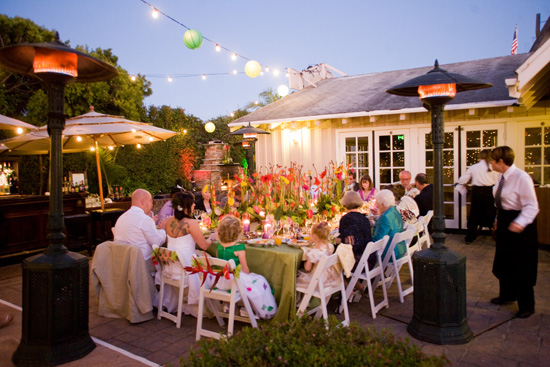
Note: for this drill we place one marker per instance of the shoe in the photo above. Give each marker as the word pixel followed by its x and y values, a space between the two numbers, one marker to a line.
pixel 5 319
pixel 468 240
pixel 501 301
pixel 524 314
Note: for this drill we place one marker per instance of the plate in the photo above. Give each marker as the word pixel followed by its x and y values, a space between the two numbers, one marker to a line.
pixel 261 242
pixel 299 243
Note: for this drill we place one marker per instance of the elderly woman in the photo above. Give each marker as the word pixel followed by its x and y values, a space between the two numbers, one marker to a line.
pixel 389 223
pixel 354 226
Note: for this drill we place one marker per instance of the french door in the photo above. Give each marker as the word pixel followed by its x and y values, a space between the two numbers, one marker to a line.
pixel 392 152
pixel 357 152
pixel 474 139
pixel 450 171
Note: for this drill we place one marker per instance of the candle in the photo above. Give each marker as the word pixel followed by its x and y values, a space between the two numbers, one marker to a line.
pixel 246 222
pixel 267 229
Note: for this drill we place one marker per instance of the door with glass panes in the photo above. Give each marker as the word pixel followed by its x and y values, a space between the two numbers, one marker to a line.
pixel 474 139
pixel 391 155
pixel 356 152
pixel 450 171
pixel 537 153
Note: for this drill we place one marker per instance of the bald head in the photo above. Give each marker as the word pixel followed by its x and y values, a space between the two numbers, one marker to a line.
pixel 142 199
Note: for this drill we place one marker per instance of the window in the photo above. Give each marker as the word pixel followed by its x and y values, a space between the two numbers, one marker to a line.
pixel 537 154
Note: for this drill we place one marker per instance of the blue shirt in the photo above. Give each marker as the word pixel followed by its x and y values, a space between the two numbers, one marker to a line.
pixel 390 223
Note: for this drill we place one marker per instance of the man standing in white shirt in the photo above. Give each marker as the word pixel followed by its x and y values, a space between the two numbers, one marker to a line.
pixel 516 255
pixel 482 208
pixel 137 227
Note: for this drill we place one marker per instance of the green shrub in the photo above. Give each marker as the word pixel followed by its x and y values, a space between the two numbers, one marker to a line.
pixel 306 342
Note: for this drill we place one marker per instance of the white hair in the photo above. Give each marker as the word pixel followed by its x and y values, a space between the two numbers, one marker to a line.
pixel 385 198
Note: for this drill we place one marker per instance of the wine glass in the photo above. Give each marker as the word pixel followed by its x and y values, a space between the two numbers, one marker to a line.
pixel 197 214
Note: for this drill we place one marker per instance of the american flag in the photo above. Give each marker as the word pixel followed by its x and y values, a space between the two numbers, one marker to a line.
pixel 515 42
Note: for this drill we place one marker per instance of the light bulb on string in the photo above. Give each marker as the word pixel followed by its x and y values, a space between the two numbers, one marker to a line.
pixel 203 77
pixel 19 130
pixel 92 149
pixel 276 72
pixel 234 72
pixel 234 57
pixel 150 138
pixel 218 48
pixel 170 79
pixel 267 69
pixel 133 78
pixel 78 138
pixel 232 114
pixel 155 13
pixel 111 147
pixel 256 102
pixel 138 146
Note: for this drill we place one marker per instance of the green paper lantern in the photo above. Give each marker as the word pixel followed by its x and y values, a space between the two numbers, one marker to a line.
pixel 252 68
pixel 192 39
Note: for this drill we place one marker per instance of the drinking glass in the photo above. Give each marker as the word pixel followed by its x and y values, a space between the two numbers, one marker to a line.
pixel 197 214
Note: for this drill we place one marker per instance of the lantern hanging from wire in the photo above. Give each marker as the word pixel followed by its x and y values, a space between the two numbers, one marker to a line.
pixel 209 127
pixel 252 68
pixel 193 39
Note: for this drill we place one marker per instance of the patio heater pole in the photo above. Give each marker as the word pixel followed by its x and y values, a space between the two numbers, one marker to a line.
pixel 439 273
pixel 55 283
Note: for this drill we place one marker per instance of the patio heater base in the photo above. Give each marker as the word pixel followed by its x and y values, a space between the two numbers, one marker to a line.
pixel 440 297
pixel 55 310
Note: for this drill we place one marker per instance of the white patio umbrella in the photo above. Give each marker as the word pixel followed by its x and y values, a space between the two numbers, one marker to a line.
pixel 89 132
pixel 8 123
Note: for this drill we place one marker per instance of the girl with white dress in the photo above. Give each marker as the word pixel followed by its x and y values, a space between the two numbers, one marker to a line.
pixel 182 233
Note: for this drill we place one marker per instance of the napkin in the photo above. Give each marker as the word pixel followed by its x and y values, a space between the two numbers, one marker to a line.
pixel 347 260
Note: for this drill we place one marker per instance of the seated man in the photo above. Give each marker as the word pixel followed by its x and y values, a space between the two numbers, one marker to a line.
pixel 137 227
pixel 425 199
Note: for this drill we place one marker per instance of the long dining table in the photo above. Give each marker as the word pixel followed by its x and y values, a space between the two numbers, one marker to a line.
pixel 279 265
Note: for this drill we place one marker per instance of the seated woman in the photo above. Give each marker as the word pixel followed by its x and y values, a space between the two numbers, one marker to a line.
pixel 258 290
pixel 203 203
pixel 319 236
pixel 167 210
pixel 183 233
pixel 405 204
pixel 366 190
pixel 354 226
pixel 389 223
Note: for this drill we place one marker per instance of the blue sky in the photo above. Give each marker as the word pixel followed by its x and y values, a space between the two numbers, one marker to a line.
pixel 354 36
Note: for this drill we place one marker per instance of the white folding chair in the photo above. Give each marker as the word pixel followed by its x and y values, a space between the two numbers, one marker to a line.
pixel 419 234
pixel 362 272
pixel 425 238
pixel 213 296
pixel 171 273
pixel 392 265
pixel 317 288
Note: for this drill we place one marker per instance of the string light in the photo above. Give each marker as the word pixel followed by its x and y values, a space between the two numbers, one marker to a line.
pixel 20 130
pixel 203 77
pixel 133 78
pixel 170 79
pixel 218 48
pixel 155 13
pixel 138 146
pixel 111 147
pixel 234 57
pixel 234 72
pixel 92 149
pixel 78 138
pixel 151 138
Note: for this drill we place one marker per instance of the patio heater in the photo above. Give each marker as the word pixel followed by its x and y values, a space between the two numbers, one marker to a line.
pixel 55 283
pixel 249 134
pixel 439 273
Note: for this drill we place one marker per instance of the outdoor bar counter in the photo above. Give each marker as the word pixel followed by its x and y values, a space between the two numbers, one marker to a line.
pixel 24 223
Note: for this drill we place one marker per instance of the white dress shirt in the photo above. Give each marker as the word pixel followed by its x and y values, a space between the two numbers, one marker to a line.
pixel 518 193
pixel 481 174
pixel 137 228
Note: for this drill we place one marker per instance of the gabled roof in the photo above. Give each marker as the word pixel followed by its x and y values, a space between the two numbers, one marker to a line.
pixel 360 94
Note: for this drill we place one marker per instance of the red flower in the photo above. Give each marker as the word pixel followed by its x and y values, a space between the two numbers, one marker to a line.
pixel 305 187
pixel 309 213
pixel 323 174
pixel 317 182
pixel 255 174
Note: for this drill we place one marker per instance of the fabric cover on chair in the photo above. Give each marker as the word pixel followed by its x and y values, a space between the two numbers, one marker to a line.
pixel 172 274
pixel 122 282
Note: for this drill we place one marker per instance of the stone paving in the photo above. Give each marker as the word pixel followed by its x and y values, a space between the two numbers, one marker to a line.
pixel 500 339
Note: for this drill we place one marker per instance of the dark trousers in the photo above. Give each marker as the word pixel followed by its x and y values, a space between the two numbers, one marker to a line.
pixel 516 260
pixel 482 210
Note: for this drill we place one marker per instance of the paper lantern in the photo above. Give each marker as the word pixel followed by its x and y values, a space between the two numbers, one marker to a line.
pixel 282 90
pixel 210 127
pixel 192 39
pixel 253 68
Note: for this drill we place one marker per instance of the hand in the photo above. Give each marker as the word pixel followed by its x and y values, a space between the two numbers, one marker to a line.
pixel 514 227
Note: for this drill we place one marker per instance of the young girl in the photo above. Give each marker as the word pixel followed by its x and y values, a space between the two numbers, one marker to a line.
pixel 366 190
pixel 258 290
pixel 319 236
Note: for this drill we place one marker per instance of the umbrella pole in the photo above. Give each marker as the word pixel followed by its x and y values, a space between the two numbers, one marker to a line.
pixel 99 176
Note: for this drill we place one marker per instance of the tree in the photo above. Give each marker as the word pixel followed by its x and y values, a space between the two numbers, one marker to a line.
pixel 266 97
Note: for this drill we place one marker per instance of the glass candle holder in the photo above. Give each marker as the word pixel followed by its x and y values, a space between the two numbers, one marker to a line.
pixel 246 222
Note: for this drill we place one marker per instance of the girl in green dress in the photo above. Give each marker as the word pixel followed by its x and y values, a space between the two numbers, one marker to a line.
pixel 258 290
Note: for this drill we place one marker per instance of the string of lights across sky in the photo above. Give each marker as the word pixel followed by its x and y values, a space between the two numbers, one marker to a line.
pixel 193 39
